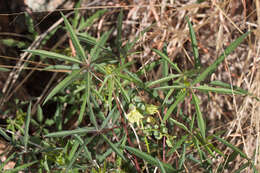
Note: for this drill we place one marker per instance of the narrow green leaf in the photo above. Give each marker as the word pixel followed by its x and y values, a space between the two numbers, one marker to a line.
pixel 180 125
pixel 88 39
pixel 165 69
pixel 83 107
pixel 192 122
pixel 54 55
pixel 14 43
pixel 165 57
pixel 122 90
pixel 180 97
pixel 91 112
pixel 166 100
pixel 149 158
pixel 103 84
pixel 183 156
pixel 39 114
pixel 177 145
pixel 58 117
pixel 123 66
pixel 230 158
pixel 200 120
pixel 133 77
pixel 227 51
pixel 79 151
pixel 162 80
pixel 110 91
pixel 85 100
pixel 108 118
pixel 113 147
pixel 226 85
pixel 94 53
pixel 29 22
pixel 78 131
pixel 160 165
pixel 212 147
pixel 73 150
pixel 148 67
pixel 77 15
pixel 64 83
pixel 179 86
pixel 62 67
pixel 26 127
pixel 4 69
pixel 107 54
pixel 2 133
pixel 20 168
pixel 79 49
pixel 218 90
pixel 91 19
pixel 196 143
pixel 242 154
pixel 194 45
pixel 243 166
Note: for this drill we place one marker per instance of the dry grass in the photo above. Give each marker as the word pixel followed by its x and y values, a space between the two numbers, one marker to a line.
pixel 217 24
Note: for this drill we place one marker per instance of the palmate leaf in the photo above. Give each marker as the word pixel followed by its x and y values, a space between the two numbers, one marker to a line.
pixel 63 84
pixel 213 67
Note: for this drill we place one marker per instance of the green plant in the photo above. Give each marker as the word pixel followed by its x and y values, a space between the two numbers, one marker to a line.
pixel 112 118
